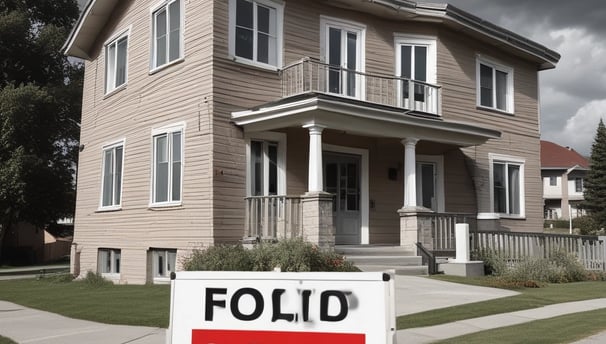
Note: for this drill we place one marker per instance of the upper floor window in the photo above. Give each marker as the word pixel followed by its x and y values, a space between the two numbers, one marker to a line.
pixel 553 181
pixel 111 189
pixel 507 182
pixel 416 65
pixel 167 23
pixel 342 45
pixel 578 184
pixel 255 31
pixel 494 85
pixel 167 165
pixel 116 62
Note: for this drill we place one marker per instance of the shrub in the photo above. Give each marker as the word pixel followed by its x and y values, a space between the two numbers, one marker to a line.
pixel 220 258
pixel 586 224
pixel 292 255
pixel 95 280
pixel 556 223
pixel 493 263
pixel 57 278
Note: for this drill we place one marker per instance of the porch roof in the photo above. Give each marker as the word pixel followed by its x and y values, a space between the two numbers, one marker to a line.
pixel 360 118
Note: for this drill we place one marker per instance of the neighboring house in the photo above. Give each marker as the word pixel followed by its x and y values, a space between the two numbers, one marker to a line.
pixel 344 122
pixel 563 171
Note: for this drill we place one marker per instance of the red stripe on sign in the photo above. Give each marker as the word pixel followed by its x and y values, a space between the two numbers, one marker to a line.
pixel 273 337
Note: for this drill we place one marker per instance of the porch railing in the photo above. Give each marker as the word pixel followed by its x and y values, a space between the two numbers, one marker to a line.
pixel 311 75
pixel 514 246
pixel 439 236
pixel 273 217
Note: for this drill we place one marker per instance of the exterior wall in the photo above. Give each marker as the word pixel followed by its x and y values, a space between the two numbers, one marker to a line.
pixel 207 86
pixel 178 93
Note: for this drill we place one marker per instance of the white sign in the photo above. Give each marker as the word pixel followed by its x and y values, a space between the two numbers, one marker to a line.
pixel 282 307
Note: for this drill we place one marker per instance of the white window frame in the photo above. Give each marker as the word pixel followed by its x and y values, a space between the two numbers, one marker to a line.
pixel 154 67
pixel 114 273
pixel 110 89
pixel 495 65
pixel 167 130
pixel 432 61
pixel 438 162
pixel 279 7
pixel 112 146
pixel 327 22
pixel 513 160
pixel 582 182
pixel 280 139
pixel 155 252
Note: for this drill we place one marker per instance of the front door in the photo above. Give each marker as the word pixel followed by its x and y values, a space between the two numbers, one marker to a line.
pixel 342 179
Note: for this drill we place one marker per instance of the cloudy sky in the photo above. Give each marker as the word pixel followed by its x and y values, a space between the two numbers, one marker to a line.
pixel 573 96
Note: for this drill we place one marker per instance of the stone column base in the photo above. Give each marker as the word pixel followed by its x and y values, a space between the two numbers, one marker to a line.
pixel 414 227
pixel 317 219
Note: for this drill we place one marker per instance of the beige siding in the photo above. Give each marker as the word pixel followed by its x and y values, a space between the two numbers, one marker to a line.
pixel 178 93
pixel 207 86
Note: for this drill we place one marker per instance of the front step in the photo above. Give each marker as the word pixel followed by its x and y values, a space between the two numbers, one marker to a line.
pixel 383 257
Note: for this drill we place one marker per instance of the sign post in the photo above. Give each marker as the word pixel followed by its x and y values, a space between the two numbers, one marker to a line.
pixel 282 307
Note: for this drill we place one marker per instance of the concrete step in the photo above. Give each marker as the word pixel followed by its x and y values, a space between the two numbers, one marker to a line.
pixel 401 270
pixel 373 250
pixel 386 260
pixel 382 258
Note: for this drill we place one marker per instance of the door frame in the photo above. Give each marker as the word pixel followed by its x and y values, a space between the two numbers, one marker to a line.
pixel 364 185
pixel 438 160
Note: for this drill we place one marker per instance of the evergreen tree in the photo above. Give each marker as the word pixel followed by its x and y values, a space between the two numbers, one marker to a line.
pixel 40 104
pixel 595 183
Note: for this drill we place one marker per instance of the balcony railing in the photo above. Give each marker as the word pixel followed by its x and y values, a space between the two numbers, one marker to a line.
pixel 310 75
pixel 273 217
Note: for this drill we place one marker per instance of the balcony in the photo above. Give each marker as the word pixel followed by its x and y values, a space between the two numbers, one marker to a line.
pixel 310 75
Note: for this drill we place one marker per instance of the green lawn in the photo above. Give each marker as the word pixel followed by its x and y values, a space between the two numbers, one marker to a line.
pixel 528 298
pixel 562 329
pixel 145 305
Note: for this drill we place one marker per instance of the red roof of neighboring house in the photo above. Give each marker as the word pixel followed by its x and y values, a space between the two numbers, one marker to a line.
pixel 556 156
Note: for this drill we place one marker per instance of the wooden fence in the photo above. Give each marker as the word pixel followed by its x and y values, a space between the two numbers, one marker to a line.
pixel 514 246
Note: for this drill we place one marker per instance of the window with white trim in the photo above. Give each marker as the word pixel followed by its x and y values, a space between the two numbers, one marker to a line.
pixel 255 32
pixel 167 165
pixel 416 58
pixel 507 182
pixel 108 261
pixel 578 184
pixel 553 181
pixel 163 262
pixel 116 62
pixel 494 85
pixel 266 165
pixel 167 33
pixel 342 45
pixel 111 180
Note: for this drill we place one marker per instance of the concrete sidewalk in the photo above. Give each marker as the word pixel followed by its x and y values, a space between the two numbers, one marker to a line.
pixel 25 325
pixel 459 328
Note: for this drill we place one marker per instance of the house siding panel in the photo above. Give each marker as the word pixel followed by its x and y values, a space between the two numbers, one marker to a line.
pixel 178 93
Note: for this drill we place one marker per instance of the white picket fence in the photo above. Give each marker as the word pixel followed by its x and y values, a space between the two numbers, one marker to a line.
pixel 514 246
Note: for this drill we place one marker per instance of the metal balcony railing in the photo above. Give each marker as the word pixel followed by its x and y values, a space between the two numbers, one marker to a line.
pixel 310 75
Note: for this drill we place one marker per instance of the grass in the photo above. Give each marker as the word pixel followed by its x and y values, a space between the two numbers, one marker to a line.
pixel 562 329
pixel 144 305
pixel 4 340
pixel 528 298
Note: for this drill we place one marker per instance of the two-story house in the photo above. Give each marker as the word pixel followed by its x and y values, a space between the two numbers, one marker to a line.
pixel 563 170
pixel 344 122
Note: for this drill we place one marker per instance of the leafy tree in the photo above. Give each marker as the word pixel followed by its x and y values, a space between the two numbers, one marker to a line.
pixel 40 102
pixel 595 183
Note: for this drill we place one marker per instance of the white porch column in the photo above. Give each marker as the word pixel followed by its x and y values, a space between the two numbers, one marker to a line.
pixel 410 169
pixel 315 182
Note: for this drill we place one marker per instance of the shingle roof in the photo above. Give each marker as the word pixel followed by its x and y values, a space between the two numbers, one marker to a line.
pixel 556 156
